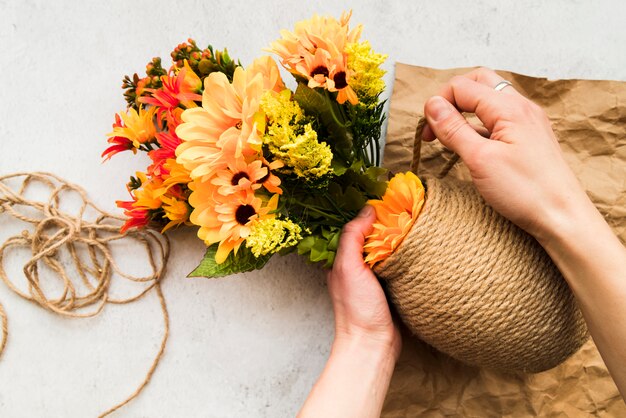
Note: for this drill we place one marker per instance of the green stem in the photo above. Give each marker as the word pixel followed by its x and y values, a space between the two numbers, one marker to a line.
pixel 326 215
pixel 316 210
pixel 365 157
pixel 332 109
pixel 337 208
pixel 377 151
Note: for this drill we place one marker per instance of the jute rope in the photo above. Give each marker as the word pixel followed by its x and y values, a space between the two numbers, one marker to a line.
pixel 417 152
pixel 475 286
pixel 85 288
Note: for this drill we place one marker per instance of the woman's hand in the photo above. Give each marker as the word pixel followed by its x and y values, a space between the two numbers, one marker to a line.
pixel 361 309
pixel 518 168
pixel 367 343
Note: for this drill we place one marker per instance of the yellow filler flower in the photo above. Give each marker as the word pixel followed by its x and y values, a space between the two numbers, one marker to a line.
pixel 271 235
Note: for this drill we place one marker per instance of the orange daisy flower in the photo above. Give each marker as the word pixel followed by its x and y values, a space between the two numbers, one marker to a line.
pixel 270 181
pixel 316 68
pixel 239 176
pixel 316 51
pixel 395 215
pixel 226 219
pixel 338 81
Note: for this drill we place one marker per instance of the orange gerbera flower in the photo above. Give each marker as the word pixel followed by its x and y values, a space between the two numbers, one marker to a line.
pixel 137 127
pixel 225 126
pixel 316 67
pixel 395 215
pixel 266 66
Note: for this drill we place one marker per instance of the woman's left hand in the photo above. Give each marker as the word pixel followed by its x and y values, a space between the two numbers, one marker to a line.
pixel 367 342
pixel 361 309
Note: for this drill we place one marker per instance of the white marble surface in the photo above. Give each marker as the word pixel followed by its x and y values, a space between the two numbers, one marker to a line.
pixel 253 344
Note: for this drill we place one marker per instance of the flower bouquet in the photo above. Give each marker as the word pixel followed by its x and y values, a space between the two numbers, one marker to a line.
pixel 261 169
pixel 258 168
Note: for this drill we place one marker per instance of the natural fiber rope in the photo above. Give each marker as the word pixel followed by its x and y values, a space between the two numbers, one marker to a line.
pixel 55 230
pixel 417 151
pixel 475 286
pixel 478 288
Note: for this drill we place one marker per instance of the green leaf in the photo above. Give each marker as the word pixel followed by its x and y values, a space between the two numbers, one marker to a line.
pixel 353 199
pixel 338 166
pixel 333 243
pixel 368 183
pixel 330 260
pixel 318 104
pixel 242 262
pixel 305 245
pixel 375 173
pixel 319 250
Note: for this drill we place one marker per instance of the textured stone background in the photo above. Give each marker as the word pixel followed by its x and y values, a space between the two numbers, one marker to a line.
pixel 249 345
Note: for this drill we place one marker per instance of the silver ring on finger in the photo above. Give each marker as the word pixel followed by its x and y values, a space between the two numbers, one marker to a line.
pixel 502 85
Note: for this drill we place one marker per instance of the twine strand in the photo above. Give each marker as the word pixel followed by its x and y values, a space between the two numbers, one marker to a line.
pixel 417 150
pixel 53 232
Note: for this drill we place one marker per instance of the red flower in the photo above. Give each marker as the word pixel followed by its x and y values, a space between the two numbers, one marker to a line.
pixel 120 143
pixel 168 142
pixel 137 217
pixel 175 91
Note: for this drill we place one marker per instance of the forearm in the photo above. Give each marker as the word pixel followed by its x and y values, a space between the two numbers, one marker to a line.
pixel 593 261
pixel 353 383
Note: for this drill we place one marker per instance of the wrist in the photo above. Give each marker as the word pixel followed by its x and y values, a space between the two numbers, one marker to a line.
pixel 565 216
pixel 578 241
pixel 355 379
pixel 374 348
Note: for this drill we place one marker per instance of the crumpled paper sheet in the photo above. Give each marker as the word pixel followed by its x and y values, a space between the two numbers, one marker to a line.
pixel 589 118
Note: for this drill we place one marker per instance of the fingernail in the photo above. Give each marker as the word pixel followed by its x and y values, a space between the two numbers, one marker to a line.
pixel 438 108
pixel 366 211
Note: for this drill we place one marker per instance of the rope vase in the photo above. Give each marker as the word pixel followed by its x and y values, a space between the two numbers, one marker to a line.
pixel 475 286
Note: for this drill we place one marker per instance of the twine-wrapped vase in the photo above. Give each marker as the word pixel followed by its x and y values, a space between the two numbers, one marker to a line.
pixel 475 286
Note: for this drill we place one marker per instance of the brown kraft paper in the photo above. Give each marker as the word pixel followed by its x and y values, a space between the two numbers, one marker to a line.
pixel 589 118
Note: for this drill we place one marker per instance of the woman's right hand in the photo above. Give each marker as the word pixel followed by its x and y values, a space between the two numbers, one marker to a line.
pixel 519 168
pixel 521 173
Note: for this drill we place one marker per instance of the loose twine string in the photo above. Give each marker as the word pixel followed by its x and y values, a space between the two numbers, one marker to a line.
pixel 54 230
pixel 417 151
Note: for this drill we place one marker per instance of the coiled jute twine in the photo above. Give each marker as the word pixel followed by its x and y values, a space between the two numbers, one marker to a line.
pixel 85 288
pixel 475 286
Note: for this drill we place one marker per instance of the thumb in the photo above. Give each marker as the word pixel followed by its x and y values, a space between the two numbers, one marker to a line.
pixel 450 127
pixel 350 251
